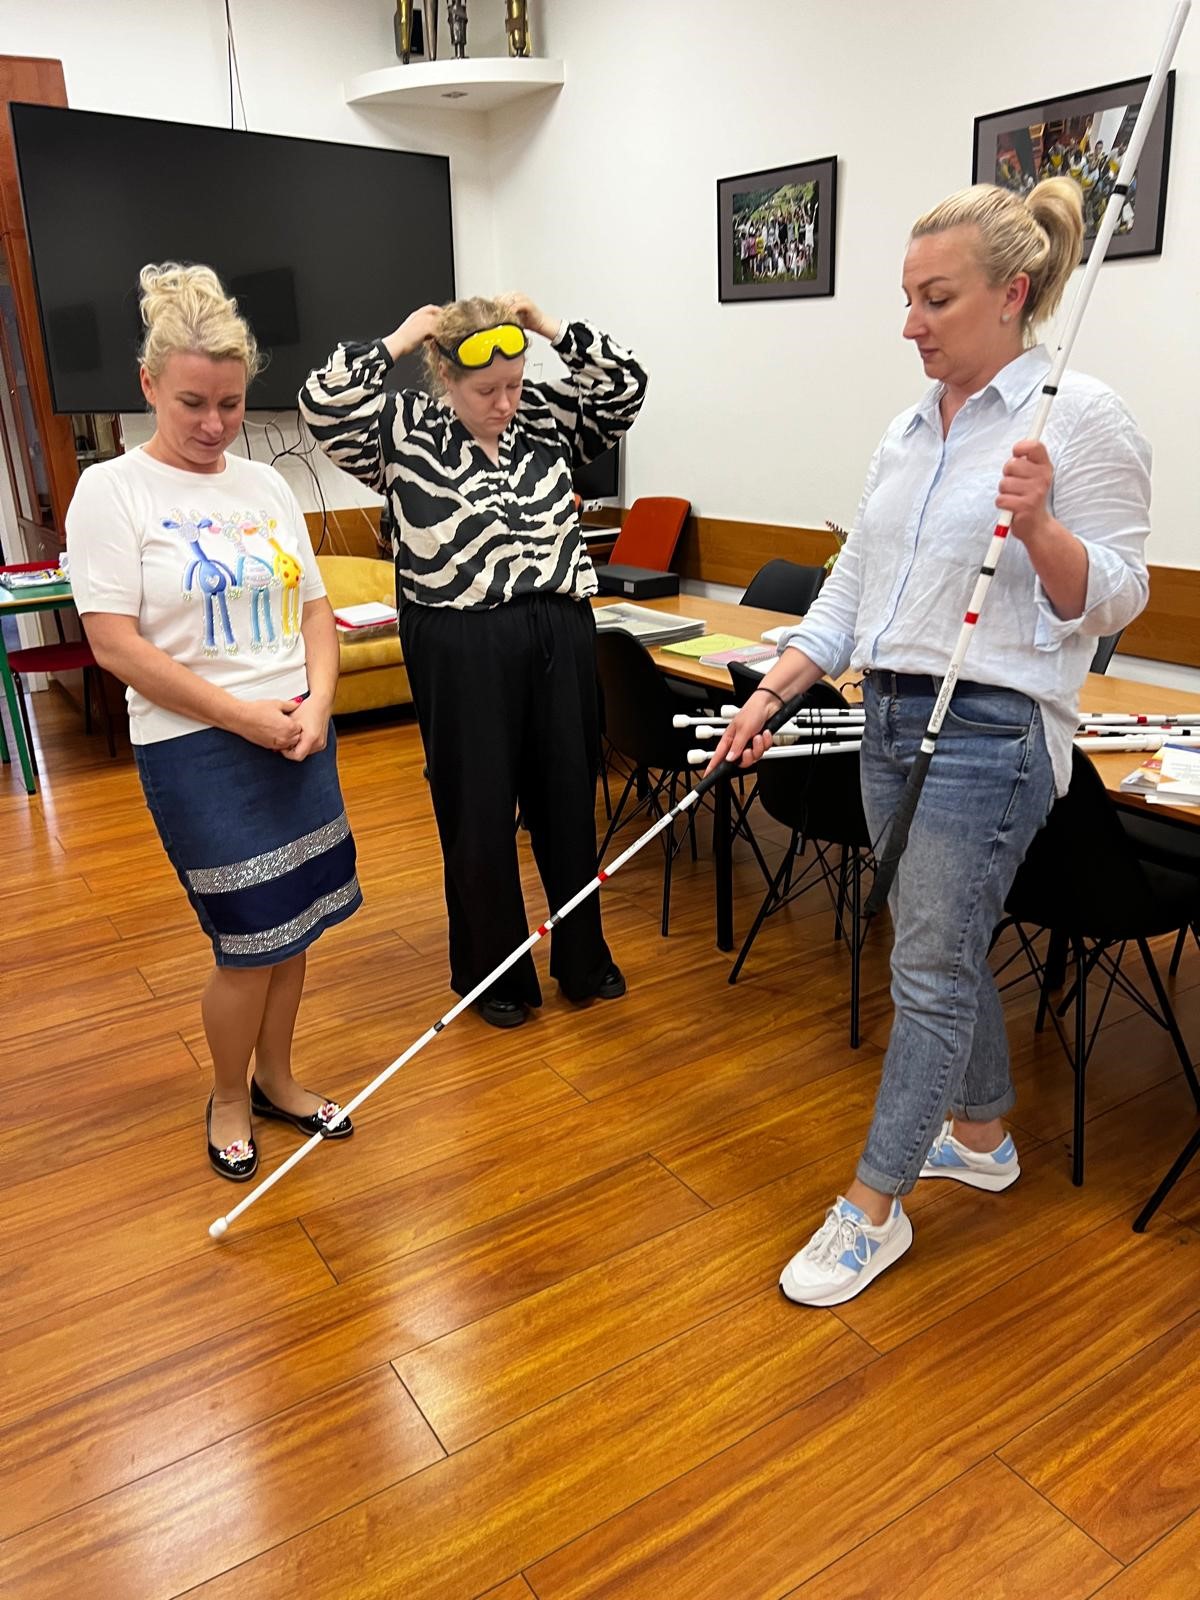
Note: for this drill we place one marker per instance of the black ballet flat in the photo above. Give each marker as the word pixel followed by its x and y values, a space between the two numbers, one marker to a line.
pixel 502 1013
pixel 318 1122
pixel 237 1161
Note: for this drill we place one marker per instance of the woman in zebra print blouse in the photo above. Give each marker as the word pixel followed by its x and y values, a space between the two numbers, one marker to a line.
pixel 493 583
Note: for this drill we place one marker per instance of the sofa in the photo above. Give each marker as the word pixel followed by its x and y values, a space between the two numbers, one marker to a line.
pixel 373 674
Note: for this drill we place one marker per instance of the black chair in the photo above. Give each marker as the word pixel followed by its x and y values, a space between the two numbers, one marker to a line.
pixel 784 586
pixel 1086 881
pixel 638 708
pixel 819 798
pixel 1104 651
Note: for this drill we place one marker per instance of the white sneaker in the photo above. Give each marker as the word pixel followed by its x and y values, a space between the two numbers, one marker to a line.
pixel 844 1255
pixel 995 1169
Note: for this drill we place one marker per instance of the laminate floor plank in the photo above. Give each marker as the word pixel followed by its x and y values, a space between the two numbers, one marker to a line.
pixel 125 1427
pixel 173 1529
pixel 988 1523
pixel 799 1494
pixel 1121 1458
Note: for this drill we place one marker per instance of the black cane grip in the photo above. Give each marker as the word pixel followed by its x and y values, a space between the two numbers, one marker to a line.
pixel 730 769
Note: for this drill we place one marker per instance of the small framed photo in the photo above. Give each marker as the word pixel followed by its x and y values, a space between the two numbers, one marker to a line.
pixel 1083 136
pixel 776 231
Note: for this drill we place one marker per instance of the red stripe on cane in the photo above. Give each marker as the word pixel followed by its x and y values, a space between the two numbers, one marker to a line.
pixel 971 618
pixel 1000 531
pixel 544 929
pixel 602 877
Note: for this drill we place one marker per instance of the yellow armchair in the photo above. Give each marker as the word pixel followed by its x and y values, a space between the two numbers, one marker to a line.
pixel 372 673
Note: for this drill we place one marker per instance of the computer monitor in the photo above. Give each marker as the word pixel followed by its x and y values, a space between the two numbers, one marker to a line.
pixel 601 478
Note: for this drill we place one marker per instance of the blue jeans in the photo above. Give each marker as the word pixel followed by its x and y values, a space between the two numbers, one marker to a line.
pixel 989 789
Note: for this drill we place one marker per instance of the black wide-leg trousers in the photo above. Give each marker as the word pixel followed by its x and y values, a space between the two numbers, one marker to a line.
pixel 507 703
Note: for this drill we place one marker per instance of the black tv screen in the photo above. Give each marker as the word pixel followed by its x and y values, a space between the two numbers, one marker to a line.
pixel 319 242
pixel 600 479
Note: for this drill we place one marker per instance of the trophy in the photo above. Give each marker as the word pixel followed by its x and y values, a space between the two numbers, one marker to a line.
pixel 403 25
pixel 516 25
pixel 456 14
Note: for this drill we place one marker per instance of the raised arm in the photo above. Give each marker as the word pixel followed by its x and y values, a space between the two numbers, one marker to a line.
pixel 602 393
pixel 343 401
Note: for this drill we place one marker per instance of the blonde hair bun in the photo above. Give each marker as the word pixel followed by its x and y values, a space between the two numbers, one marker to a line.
pixel 186 309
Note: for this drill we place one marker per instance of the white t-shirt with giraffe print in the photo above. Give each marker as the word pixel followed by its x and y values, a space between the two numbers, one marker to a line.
pixel 216 567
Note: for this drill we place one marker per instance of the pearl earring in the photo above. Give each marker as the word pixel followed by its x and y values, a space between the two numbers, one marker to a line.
pixel 1004 317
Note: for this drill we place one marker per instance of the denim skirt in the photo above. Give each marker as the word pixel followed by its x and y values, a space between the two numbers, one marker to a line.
pixel 260 843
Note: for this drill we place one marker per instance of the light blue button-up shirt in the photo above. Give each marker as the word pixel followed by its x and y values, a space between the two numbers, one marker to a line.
pixel 897 595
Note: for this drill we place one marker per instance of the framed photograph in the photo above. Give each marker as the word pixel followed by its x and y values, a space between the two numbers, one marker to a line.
pixel 1083 136
pixel 775 232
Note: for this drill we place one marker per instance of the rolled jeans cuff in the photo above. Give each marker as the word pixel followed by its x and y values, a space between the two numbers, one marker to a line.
pixel 987 1112
pixel 883 1181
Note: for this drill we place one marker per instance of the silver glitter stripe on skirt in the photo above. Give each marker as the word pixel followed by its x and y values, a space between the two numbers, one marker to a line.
pixel 261 869
pixel 255 944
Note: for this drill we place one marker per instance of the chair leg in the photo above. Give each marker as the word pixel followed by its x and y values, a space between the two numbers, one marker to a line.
pixel 87 700
pixel 1181 940
pixel 23 702
pixel 770 900
pixel 616 816
pixel 1081 1054
pixel 1168 1016
pixel 1054 974
pixel 856 936
pixel 670 842
pixel 1172 1178
pixel 604 784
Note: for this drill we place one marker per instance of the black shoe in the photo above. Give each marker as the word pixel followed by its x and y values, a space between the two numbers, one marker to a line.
pixel 237 1161
pixel 502 1013
pixel 612 985
pixel 317 1123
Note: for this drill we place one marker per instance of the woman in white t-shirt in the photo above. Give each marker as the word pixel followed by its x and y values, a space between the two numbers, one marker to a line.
pixel 198 587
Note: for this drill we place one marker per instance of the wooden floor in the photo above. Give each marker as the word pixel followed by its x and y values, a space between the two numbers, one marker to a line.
pixel 521 1336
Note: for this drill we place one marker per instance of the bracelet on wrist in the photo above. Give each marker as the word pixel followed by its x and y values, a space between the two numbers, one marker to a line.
pixel 775 692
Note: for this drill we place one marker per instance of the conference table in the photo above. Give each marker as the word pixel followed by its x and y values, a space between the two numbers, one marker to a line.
pixel 1099 693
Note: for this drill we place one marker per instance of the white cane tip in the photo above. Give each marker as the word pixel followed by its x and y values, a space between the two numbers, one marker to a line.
pixel 697 758
pixel 705 732
pixel 680 720
pixel 730 711
pixel 218 1228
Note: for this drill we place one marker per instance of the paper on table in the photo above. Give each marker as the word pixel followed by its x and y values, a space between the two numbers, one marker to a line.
pixel 707 644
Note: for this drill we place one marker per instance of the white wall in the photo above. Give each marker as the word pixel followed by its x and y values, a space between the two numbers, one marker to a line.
pixel 167 59
pixel 601 199
pixel 606 205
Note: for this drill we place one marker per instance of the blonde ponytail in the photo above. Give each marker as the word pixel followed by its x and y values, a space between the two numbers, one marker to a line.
pixel 1040 234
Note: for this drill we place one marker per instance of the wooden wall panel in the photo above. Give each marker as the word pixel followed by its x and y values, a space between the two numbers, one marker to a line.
pixel 721 550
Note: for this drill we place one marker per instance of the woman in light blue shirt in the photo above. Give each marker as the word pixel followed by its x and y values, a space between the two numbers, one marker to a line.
pixel 981 271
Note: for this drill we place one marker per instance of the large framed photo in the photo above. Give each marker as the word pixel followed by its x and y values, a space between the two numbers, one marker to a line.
pixel 1083 136
pixel 775 232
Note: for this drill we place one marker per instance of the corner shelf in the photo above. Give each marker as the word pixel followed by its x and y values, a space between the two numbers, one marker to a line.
pixel 476 84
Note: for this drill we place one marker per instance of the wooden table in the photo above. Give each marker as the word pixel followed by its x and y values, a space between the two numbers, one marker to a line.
pixel 1099 693
pixel 12 603
pixel 743 622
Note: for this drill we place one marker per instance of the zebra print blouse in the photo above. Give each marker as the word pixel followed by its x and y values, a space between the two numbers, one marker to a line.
pixel 468 533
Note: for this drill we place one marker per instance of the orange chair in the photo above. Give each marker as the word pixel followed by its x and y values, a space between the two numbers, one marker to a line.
pixel 650 533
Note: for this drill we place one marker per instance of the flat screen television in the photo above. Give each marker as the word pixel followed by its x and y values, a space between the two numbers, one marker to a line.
pixel 601 478
pixel 319 242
